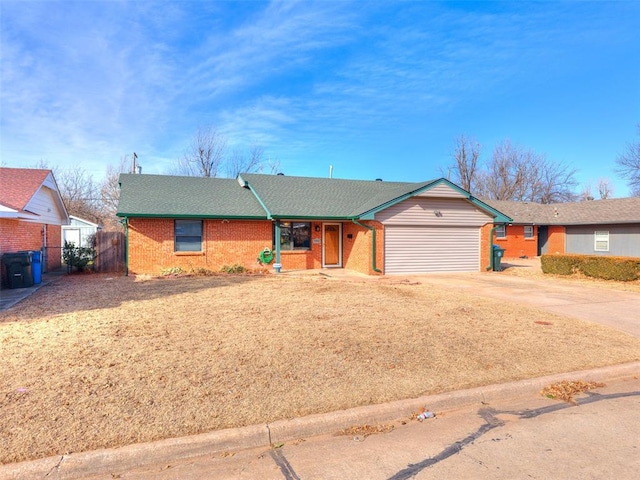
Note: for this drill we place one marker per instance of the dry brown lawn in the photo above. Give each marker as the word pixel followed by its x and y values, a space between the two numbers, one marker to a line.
pixel 96 361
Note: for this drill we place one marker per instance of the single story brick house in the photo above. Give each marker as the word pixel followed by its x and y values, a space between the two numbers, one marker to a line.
pixel 372 227
pixel 31 214
pixel 591 227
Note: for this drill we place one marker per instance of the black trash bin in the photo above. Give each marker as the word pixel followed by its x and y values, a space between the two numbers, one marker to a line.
pixel 498 253
pixel 18 267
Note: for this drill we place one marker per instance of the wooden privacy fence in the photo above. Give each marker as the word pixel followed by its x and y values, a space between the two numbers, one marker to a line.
pixel 110 252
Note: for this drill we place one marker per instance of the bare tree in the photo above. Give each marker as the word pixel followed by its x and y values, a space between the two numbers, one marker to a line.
pixel 238 162
pixel 205 155
pixel 80 193
pixel 629 166
pixel 556 183
pixel 605 190
pixel 271 166
pixel 513 173
pixel 208 156
pixel 466 169
pixel 586 193
pixel 110 195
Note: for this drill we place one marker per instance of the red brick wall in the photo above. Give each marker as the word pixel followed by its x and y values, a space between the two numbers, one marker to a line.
pixel 516 245
pixel 54 247
pixel 556 241
pixel 16 235
pixel 357 250
pixel 151 245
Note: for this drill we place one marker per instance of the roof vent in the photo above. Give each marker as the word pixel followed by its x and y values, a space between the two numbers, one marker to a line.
pixel 378 179
pixel 280 173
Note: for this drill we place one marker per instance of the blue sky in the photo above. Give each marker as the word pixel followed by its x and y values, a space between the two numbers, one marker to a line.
pixel 377 89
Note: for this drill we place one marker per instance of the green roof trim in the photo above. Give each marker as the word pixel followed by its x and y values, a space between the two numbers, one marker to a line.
pixel 246 185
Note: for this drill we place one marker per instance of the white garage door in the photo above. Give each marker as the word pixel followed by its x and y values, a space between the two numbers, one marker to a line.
pixel 411 249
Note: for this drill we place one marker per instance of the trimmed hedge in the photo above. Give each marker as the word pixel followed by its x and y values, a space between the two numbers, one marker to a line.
pixel 623 269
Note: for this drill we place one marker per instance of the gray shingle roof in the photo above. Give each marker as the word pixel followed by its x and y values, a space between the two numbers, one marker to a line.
pixel 590 212
pixel 173 196
pixel 297 197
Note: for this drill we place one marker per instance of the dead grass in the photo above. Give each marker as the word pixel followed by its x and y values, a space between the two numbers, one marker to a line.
pixel 96 361
pixel 567 390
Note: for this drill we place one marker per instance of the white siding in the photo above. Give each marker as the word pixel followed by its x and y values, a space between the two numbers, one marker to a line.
pixel 421 211
pixel 411 249
pixel 46 204
pixel 442 191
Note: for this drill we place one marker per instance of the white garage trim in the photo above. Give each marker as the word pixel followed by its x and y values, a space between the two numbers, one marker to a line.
pixel 426 249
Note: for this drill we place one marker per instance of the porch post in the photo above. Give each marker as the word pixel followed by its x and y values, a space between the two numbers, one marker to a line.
pixel 277 241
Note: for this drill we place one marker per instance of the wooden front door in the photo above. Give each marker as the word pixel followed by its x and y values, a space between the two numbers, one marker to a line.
pixel 332 246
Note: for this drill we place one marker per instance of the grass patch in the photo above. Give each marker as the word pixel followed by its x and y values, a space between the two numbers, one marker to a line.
pixel 102 361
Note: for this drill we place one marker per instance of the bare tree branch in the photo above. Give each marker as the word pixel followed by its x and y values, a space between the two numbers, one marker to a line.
pixel 110 195
pixel 238 162
pixel 465 169
pixel 605 189
pixel 205 155
pixel 79 192
pixel 519 174
pixel 629 166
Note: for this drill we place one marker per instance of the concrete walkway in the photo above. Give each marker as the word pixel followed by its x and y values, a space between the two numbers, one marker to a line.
pixel 11 296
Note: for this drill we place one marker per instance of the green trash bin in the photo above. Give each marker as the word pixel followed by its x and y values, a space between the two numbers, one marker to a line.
pixel 18 267
pixel 498 253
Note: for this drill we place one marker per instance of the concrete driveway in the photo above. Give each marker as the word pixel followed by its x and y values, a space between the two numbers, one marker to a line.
pixel 616 308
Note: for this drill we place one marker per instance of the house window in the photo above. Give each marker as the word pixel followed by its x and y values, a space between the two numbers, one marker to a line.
pixel 295 236
pixel 528 231
pixel 188 236
pixel 501 231
pixel 601 242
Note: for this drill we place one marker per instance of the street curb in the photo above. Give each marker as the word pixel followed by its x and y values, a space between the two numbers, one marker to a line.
pixel 164 452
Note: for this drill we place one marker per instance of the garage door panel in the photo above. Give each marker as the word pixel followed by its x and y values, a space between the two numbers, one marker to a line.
pixel 422 249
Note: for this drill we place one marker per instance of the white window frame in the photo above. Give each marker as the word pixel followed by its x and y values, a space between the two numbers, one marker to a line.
pixel 601 236
pixel 531 231
pixel 502 228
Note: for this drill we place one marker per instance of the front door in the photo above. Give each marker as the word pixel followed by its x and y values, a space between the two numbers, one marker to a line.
pixel 332 245
pixel 543 239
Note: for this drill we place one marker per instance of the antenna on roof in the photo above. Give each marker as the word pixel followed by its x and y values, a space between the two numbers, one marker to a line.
pixel 135 166
pixel 330 171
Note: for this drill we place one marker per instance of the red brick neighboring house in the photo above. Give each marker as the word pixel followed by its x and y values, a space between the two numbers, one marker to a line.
pixel 591 227
pixel 371 227
pixel 31 214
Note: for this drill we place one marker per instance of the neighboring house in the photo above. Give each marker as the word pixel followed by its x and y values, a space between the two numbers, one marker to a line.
pixel 309 223
pixel 591 227
pixel 79 231
pixel 31 214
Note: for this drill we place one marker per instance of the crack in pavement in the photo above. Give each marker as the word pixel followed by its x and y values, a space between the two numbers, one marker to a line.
pixel 55 467
pixel 491 422
pixel 284 465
